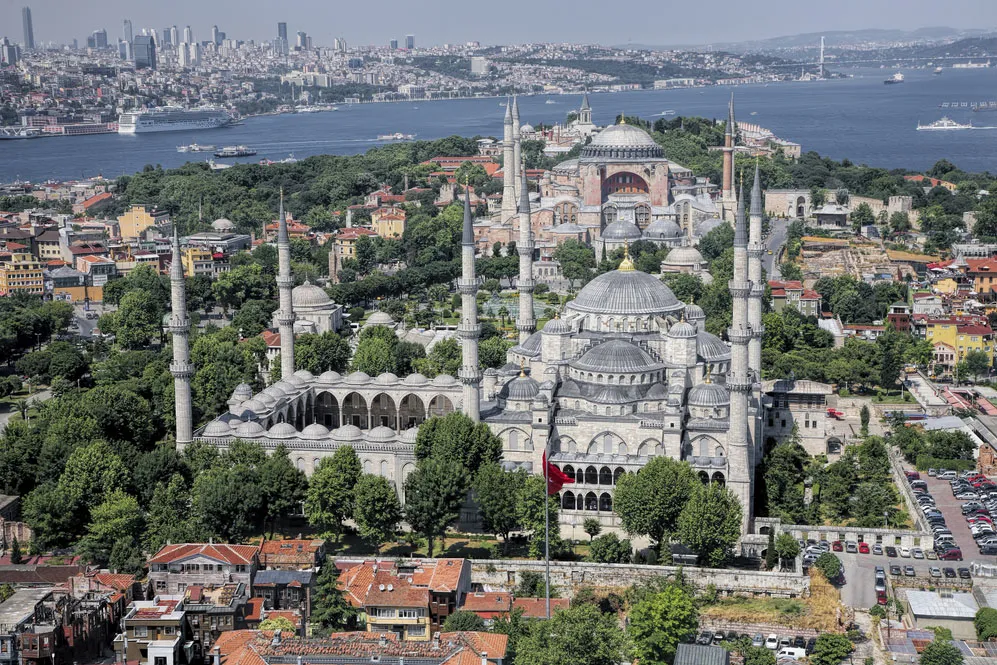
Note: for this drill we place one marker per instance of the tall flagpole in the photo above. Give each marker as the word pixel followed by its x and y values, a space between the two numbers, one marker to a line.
pixel 547 533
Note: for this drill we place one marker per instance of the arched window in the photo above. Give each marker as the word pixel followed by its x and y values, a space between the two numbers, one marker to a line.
pixel 618 474
pixel 605 476
pixel 622 449
pixel 591 476
pixel 384 469
pixel 591 502
pixel 367 466
pixel 606 503
pixel 514 440
pixel 568 501
pixel 300 463
pixel 569 470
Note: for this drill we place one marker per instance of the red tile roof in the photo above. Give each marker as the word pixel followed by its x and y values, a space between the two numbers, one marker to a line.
pixel 254 613
pixel 536 608
pixel 232 554
pixel 975 330
pixel 487 602
pixel 353 233
pixel 278 552
pixel 116 581
pixel 271 338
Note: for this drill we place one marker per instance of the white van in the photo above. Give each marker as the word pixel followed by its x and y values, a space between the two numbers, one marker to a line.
pixel 796 653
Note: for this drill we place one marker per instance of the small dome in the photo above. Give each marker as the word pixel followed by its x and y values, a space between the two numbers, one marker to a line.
pixel 711 348
pixel 684 256
pixel 662 229
pixel 444 380
pixel 309 295
pixel 242 392
pixel 621 230
pixel 222 224
pixel 380 319
pixel 330 377
pixel 282 388
pixel 682 330
pixel 267 399
pixel 347 433
pixel 709 394
pixel 249 429
pixel 558 326
pixel 381 434
pixel 295 381
pixel 386 378
pixel 304 374
pixel 254 406
pixel 694 312
pixel 616 356
pixel 282 431
pixel 706 225
pixel 315 431
pixel 357 378
pixel 527 128
pixel 409 435
pixel 217 428
pixel 415 379
pixel 625 292
pixel 520 388
pixel 491 371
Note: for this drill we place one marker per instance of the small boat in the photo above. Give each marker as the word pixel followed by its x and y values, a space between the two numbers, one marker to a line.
pixel 550 101
pixel 397 136
pixel 943 124
pixel 938 70
pixel 754 113
pixel 290 159
pixel 195 147
pixel 234 151
pixel 895 79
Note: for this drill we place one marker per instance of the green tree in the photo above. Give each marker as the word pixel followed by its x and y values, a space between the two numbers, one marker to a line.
pixel 710 523
pixel 457 437
pixel 496 493
pixel 170 517
pixel 126 557
pixel 492 352
pixel 592 527
pixel 579 635
pixel 325 352
pixel 92 474
pixel 649 502
pixel 283 486
pixel 759 656
pixel 976 363
pixel 939 652
pixel 864 420
pixel 330 609
pixel 434 493
pixel 610 549
pixel 985 623
pixel 373 356
pixel 461 621
pixel 532 500
pixel 137 321
pixel 376 509
pixel 660 622
pixel 830 649
pixel 829 565
pixel 787 547
pixel 15 552
pixel 862 216
pixel 118 518
pixel 771 556
pixel 229 500
pixel 329 499
pixel 253 317
pixel 280 623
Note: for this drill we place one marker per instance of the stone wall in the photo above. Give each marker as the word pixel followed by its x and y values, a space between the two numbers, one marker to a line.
pixel 569 576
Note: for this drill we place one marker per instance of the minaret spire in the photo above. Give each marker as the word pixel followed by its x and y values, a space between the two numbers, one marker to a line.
pixel 285 283
pixel 728 167
pixel 755 250
pixel 508 167
pixel 525 321
pixel 517 145
pixel 468 330
pixel 180 368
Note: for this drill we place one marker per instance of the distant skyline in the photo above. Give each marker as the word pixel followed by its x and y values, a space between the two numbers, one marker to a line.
pixel 508 22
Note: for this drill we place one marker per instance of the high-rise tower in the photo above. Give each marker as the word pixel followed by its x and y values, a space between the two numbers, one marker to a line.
pixel 285 283
pixel 508 167
pixel 126 31
pixel 180 368
pixel 517 148
pixel 738 380
pixel 468 330
pixel 526 324
pixel 755 250
pixel 29 29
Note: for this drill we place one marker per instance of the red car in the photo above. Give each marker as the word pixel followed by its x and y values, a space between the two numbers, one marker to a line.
pixel 863 548
pixel 881 597
pixel 954 554
pixel 836 546
pixel 913 475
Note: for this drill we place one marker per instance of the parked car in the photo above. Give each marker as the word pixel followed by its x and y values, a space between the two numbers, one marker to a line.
pixel 917 553
pixel 758 640
pixel 905 552
pixel 863 548
pixel 932 472
pixel 949 572
pixel 877 549
pixel 964 573
pixel 988 549
pixel 881 597
pixel 891 551
pixel 706 637
pixel 895 569
pixel 953 554
pixel 836 546
pixel 811 643
pixel 851 547
pixel 772 641
pixel 909 571
pixel 935 571
pixel 799 642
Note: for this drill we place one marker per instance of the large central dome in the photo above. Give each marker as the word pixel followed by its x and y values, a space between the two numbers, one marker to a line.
pixel 623 142
pixel 625 292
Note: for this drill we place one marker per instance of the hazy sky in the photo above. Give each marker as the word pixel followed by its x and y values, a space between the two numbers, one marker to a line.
pixel 502 22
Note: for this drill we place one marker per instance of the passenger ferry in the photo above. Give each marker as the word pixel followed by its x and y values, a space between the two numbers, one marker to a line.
pixel 943 124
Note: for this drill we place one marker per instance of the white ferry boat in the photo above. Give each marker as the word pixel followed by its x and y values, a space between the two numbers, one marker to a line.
pixel 895 79
pixel 195 147
pixel 943 124
pixel 397 136
pixel 172 119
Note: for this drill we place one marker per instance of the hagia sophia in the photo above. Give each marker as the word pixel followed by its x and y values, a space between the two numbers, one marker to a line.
pixel 625 373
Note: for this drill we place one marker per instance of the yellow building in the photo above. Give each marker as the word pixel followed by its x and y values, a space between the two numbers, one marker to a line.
pixel 388 222
pixel 961 336
pixel 22 273
pixel 344 246
pixel 138 219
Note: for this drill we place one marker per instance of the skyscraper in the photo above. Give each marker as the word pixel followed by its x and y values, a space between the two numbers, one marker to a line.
pixel 144 49
pixel 8 52
pixel 174 35
pixel 282 30
pixel 302 40
pixel 125 50
pixel 410 42
pixel 166 38
pixel 99 38
pixel 215 35
pixel 29 31
pixel 393 44
pixel 126 31
pixel 188 35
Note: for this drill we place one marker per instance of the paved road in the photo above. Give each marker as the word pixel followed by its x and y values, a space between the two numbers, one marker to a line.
pixel 776 239
pixel 9 410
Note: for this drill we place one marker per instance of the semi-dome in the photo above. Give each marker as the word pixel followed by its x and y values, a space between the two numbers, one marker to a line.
pixel 530 347
pixel 662 229
pixel 558 326
pixel 304 374
pixel 682 330
pixel 315 431
pixel 268 400
pixel 620 230
pixel 347 433
pixel 380 319
pixel 444 380
pixel 520 388
pixel 254 405
pixel 625 292
pixel 686 255
pixel 707 225
pixel 711 348
pixel 622 142
pixel 657 391
pixel 381 434
pixel 709 394
pixel 217 428
pixel 282 431
pixel 282 388
pixel 295 381
pixel 616 357
pixel 409 435
pixel 242 392
pixel 309 295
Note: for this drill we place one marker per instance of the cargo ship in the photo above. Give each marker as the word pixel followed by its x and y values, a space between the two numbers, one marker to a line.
pixel 172 119
pixel 895 79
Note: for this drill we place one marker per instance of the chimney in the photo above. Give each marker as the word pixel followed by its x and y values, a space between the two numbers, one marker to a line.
pixel 216 656
pixel 299 659
pixel 276 638
pixel 484 658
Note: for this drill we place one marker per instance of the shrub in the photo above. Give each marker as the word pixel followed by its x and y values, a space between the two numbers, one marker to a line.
pixel 986 624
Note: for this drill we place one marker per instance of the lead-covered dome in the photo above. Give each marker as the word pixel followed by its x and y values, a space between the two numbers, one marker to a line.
pixel 621 229
pixel 626 292
pixel 309 295
pixel 662 229
pixel 709 394
pixel 617 357
pixel 520 388
pixel 685 256
pixel 622 142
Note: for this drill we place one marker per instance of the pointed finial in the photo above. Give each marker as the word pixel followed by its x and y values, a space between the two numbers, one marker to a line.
pixel 623 118
pixel 522 368
pixel 709 373
pixel 627 264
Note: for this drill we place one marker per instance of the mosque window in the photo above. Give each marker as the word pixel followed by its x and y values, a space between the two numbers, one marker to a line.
pixel 513 440
pixel 607 441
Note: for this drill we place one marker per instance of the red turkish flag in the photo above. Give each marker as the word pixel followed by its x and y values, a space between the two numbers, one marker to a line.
pixel 556 479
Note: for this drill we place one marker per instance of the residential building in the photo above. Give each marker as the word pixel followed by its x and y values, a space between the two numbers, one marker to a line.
pixel 344 247
pixel 138 218
pixel 869 333
pixel 792 293
pixel 226 243
pixel 832 216
pixel 175 567
pixel 201 261
pixel 701 654
pixel 153 633
pixel 983 274
pixel 21 272
pixel 962 334
pixel 943 358
pixel 388 222
pixel 211 611
pixel 928 303
pixel 292 554
pixel 285 590
pixel 70 285
pixel 97 269
pixel 489 605
pixel 899 317
pixel 47 245
pixel 804 404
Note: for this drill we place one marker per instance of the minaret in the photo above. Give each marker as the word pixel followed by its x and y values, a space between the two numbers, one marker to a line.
pixel 180 368
pixel 738 380
pixel 728 173
pixel 755 250
pixel 526 324
pixel 585 112
pixel 517 146
pixel 285 313
pixel 508 168
pixel 468 330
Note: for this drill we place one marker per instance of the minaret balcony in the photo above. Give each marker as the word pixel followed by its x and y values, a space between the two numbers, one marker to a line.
pixel 468 330
pixel 525 285
pixel 285 318
pixel 469 375
pixel 468 287
pixel 739 335
pixel 285 282
pixel 526 324
pixel 182 370
pixel 739 289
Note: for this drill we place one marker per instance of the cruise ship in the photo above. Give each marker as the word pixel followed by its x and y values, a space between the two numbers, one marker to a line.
pixel 944 124
pixel 172 119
